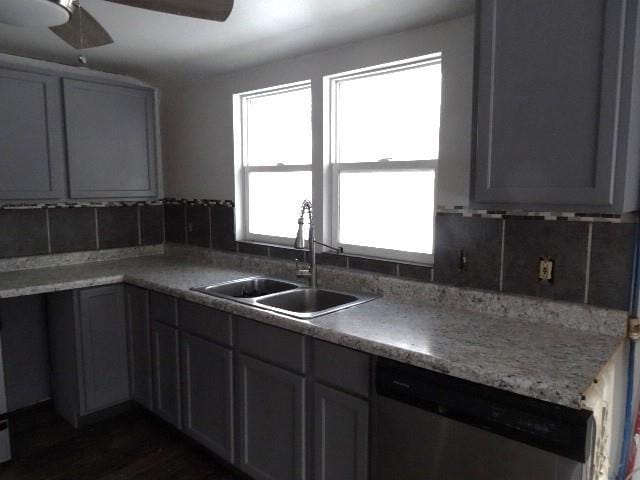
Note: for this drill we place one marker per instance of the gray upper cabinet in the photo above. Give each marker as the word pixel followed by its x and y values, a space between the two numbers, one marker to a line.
pixel 137 303
pixel 111 140
pixel 557 114
pixel 207 390
pixel 272 421
pixel 31 136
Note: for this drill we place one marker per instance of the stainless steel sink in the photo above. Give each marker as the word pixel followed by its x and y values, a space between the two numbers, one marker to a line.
pixel 248 287
pixel 311 302
pixel 284 297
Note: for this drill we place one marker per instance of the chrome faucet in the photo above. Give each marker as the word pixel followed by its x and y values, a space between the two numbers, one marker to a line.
pixel 308 270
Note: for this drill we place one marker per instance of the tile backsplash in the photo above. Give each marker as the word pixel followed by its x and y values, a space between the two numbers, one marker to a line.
pixel 65 228
pixel 489 250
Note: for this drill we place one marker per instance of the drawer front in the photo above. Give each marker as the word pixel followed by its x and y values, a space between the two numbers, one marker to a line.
pixel 272 344
pixel 163 308
pixel 206 322
pixel 341 367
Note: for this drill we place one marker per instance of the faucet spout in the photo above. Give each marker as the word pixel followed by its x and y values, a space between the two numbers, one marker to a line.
pixel 308 270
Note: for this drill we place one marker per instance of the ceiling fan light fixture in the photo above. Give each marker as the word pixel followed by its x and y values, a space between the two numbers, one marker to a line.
pixel 36 13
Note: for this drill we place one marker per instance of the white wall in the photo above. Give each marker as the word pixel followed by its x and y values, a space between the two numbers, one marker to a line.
pixel 197 115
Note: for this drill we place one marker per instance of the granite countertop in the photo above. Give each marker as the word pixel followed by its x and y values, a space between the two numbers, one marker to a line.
pixel 544 361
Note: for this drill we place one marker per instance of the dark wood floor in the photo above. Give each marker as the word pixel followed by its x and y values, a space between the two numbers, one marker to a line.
pixel 134 445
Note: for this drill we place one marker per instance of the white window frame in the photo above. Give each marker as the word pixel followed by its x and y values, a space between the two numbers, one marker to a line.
pixel 246 169
pixel 383 165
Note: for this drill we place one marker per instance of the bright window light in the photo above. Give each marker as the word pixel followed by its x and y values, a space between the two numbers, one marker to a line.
pixel 276 160
pixel 401 219
pixel 385 130
pixel 274 202
pixel 389 116
pixel 278 128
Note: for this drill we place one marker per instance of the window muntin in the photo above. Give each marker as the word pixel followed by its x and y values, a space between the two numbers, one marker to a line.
pixel 385 124
pixel 276 160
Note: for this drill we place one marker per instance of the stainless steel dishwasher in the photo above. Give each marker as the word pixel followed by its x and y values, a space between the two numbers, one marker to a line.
pixel 430 426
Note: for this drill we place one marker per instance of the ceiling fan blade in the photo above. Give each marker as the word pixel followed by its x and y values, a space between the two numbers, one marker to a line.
pixel 82 31
pixel 217 10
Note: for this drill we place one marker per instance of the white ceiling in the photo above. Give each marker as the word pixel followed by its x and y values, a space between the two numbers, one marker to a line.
pixel 151 44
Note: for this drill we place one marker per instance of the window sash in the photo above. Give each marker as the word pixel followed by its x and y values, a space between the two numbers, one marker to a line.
pixel 246 169
pixel 382 166
pixel 257 237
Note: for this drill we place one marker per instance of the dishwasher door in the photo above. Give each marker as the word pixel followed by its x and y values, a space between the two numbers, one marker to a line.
pixel 410 443
pixel 431 426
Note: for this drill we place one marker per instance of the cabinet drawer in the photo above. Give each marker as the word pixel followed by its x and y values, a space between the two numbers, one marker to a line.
pixel 341 367
pixel 206 322
pixel 163 308
pixel 272 344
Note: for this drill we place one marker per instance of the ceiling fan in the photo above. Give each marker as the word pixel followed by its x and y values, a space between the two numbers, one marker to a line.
pixel 77 27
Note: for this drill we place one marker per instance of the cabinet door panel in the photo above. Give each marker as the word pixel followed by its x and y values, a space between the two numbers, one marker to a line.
pixel 166 373
pixel 207 391
pixel 548 95
pixel 31 136
pixel 139 345
pixel 110 140
pixel 103 334
pixel 341 435
pixel 272 427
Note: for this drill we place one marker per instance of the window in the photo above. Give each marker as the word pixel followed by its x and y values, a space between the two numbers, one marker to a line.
pixel 275 144
pixel 384 145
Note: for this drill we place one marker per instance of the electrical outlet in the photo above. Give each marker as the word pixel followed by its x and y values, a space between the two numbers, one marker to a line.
pixel 545 270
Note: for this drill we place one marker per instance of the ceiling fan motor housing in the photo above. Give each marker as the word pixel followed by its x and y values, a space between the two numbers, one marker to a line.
pixel 36 13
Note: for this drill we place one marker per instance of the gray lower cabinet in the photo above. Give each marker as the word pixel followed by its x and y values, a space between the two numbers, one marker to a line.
pixel 140 373
pixel 111 140
pixel 207 392
pixel 31 136
pixel 271 404
pixel 341 435
pixel 88 341
pixel 166 372
pixel 557 121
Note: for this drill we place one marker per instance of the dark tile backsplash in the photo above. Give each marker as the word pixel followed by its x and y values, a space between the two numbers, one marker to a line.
pixel 468 251
pixel 198 228
pixel 611 265
pixel 118 227
pixel 223 231
pixel 64 229
pixel 72 229
pixel 151 224
pixel 23 233
pixel 175 223
pixel 593 256
pixel 565 242
pixel 373 265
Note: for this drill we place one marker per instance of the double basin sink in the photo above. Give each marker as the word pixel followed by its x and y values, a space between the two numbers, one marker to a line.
pixel 284 297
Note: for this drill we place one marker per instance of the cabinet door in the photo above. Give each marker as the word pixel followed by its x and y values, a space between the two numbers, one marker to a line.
pixel 31 136
pixel 166 373
pixel 110 140
pixel 103 336
pixel 137 302
pixel 341 435
pixel 271 406
pixel 207 392
pixel 548 95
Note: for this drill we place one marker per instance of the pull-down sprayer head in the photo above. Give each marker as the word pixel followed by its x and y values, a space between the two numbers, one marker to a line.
pixel 299 243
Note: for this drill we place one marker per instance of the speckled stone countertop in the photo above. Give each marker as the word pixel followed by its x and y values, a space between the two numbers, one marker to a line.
pixel 550 362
